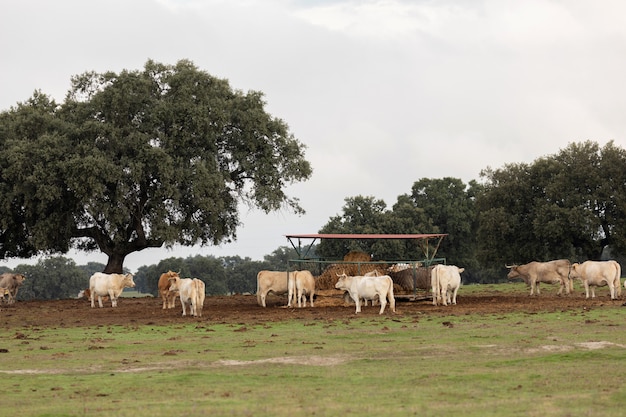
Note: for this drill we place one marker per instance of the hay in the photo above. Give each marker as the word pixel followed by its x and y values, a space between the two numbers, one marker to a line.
pixel 357 256
pixel 328 278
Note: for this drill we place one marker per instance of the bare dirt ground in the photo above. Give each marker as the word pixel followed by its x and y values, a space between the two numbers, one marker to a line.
pixel 243 309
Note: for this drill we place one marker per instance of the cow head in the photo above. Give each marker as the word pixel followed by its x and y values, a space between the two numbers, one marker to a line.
pixel 342 283
pixel 174 282
pixel 574 271
pixel 128 281
pixel 513 273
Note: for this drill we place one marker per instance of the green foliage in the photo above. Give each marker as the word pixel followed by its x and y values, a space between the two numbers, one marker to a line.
pixel 568 205
pixel 140 159
pixel 279 259
pixel 52 278
pixel 435 206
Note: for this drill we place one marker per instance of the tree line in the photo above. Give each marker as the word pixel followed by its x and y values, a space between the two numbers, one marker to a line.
pixel 59 277
pixel 568 205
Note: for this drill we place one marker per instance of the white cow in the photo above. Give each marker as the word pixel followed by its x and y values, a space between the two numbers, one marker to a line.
pixel 598 274
pixel 274 281
pixel 191 291
pixel 11 282
pixel 445 282
pixel 101 284
pixel 368 288
pixel 304 285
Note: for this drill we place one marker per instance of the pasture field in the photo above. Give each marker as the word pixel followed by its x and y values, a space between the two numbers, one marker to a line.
pixel 498 352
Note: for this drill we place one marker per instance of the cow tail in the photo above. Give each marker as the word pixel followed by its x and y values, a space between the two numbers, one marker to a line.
pixel 391 296
pixel 435 284
pixel 258 290
pixel 618 279
pixel 199 293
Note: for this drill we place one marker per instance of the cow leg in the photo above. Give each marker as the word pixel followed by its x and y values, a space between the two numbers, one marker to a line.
pixel 383 303
pixel 183 302
pixel 586 284
pixel 357 301
pixel 611 289
pixel 454 295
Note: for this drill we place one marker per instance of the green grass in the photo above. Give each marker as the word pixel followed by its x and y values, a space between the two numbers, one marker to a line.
pixel 512 364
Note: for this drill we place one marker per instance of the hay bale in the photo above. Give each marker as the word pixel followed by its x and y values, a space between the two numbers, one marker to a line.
pixel 357 256
pixel 328 278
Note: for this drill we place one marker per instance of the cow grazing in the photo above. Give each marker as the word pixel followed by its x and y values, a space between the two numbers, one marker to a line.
pixel 551 272
pixel 304 285
pixel 167 296
pixel 445 283
pixel 272 281
pixel 369 288
pixel 191 291
pixel 12 283
pixel 101 284
pixel 598 274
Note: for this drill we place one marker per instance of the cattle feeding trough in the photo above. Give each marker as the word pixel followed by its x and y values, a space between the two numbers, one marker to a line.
pixel 409 275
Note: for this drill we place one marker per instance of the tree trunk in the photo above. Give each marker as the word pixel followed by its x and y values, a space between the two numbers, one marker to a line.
pixel 115 264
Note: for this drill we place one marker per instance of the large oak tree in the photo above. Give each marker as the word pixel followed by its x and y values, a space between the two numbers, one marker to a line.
pixel 140 159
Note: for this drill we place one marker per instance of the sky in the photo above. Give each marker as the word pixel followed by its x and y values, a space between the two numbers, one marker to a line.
pixel 382 93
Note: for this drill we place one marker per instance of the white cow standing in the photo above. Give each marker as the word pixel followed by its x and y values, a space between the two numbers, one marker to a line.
pixel 278 282
pixel 598 274
pixel 304 283
pixel 101 284
pixel 192 292
pixel 445 282
pixel 368 288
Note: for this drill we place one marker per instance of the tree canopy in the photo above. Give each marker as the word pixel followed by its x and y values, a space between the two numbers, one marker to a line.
pixel 568 205
pixel 140 159
pixel 434 206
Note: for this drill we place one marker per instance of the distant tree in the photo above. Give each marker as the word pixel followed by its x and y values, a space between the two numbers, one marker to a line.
pixel 52 278
pixel 361 215
pixel 140 159
pixel 279 259
pixel 91 268
pixel 568 205
pixel 449 204
pixel 210 270
pixel 241 276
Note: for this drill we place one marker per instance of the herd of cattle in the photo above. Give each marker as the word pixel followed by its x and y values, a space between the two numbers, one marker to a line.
pixel 372 286
pixel 444 282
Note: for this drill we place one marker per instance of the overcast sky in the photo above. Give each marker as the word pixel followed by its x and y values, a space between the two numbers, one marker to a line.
pixel 382 93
